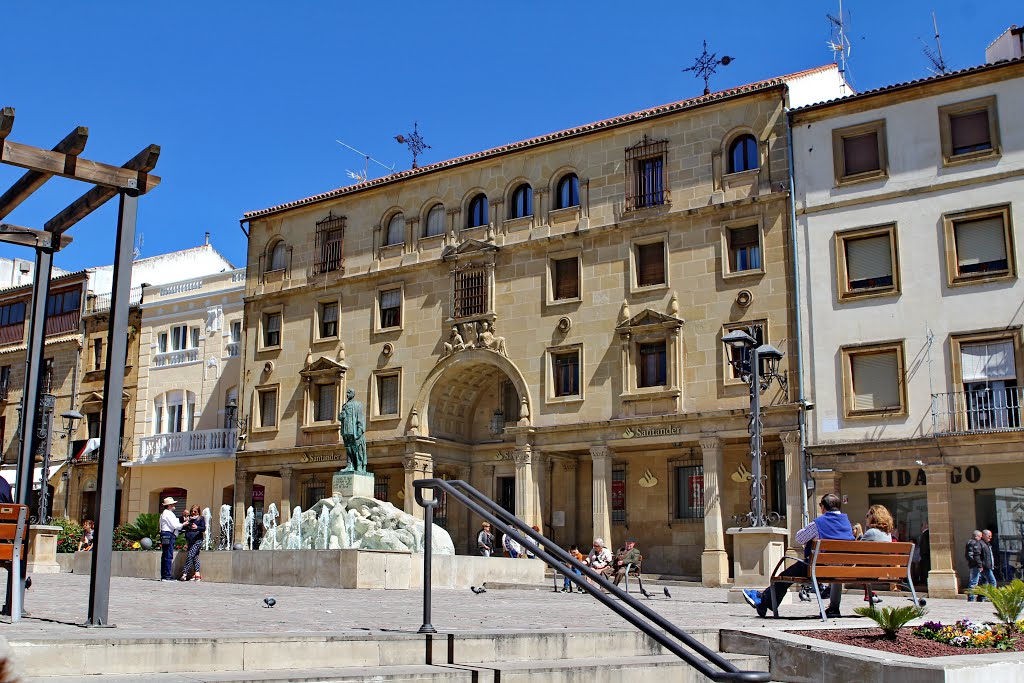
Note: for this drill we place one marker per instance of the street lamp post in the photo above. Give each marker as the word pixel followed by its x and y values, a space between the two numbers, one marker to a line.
pixel 748 364
pixel 232 420
pixel 70 420
pixel 47 402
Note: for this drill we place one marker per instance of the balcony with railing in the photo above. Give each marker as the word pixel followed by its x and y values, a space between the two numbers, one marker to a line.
pixel 971 412
pixel 204 444
pixel 63 323
pixel 180 357
pixel 234 349
pixel 102 302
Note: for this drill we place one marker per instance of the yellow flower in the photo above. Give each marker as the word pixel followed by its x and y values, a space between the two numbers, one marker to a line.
pixel 136 545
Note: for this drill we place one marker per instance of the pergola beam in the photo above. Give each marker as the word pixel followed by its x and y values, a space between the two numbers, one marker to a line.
pixel 56 163
pixel 71 147
pixel 28 237
pixel 142 163
pixel 6 122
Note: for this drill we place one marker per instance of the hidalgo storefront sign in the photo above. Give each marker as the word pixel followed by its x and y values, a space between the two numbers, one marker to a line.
pixel 639 432
pixel 899 478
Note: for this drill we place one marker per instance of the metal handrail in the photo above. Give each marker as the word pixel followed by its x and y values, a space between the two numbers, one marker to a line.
pixel 716 668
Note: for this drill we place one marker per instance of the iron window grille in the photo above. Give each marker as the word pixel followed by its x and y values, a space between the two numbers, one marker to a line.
pixel 619 494
pixel 645 174
pixel 380 487
pixel 314 490
pixel 690 492
pixel 470 291
pixel 330 241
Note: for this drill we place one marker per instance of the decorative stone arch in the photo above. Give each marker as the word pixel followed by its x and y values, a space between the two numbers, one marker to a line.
pixel 720 158
pixel 418 421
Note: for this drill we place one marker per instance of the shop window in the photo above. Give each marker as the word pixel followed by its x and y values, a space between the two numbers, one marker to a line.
pixel 979 245
pixel 969 131
pixel 690 492
pixel 859 152
pixel 619 494
pixel 874 380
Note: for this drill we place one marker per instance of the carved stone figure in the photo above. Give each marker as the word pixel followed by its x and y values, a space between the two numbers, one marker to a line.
pixel 486 339
pixel 353 430
pixel 455 342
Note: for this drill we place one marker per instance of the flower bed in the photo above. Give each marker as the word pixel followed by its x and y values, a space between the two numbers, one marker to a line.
pixel 966 633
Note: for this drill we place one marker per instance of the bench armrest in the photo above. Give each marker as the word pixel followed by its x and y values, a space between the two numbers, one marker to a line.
pixel 782 561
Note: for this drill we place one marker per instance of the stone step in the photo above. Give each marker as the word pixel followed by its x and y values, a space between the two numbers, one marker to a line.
pixel 101 653
pixel 644 669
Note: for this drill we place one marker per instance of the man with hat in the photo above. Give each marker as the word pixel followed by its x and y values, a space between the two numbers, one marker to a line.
pixel 169 528
pixel 625 557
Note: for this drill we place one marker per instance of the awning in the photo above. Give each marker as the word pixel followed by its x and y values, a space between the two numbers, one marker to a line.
pixel 11 475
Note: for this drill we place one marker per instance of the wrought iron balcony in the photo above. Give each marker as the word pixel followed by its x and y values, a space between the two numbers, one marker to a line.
pixel 168 358
pixel 206 444
pixel 969 412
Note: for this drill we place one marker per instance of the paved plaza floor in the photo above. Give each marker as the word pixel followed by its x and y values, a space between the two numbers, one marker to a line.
pixel 58 603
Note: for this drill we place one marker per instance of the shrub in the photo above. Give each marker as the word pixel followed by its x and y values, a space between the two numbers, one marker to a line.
pixel 891 619
pixel 1008 601
pixel 69 536
pixel 146 525
pixel 122 541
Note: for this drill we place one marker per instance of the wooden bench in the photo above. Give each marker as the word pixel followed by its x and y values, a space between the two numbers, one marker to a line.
pixel 851 562
pixel 13 550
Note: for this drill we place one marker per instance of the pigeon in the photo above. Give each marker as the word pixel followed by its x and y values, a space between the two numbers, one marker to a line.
pixel 269 602
pixel 645 594
pixel 28 583
pixel 479 590
pixel 667 594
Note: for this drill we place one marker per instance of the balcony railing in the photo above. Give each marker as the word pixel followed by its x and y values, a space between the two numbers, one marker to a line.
pixel 63 323
pixel 968 412
pixel 101 302
pixel 233 349
pixel 168 358
pixel 205 443
pixel 12 334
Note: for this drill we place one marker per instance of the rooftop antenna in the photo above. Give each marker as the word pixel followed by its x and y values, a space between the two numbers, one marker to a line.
pixel 839 43
pixel 362 177
pixel 939 66
pixel 137 251
pixel 706 64
pixel 414 141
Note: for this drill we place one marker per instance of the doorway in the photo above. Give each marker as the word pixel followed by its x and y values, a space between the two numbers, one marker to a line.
pixel 507 493
pixel 1002 512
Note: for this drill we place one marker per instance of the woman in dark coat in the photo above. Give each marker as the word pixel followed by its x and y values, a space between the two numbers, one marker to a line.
pixel 195 530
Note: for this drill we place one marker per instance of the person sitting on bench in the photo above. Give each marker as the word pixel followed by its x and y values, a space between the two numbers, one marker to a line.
pixel 831 525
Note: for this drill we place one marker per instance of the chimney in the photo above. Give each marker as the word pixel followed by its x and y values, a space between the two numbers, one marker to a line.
pixel 207 239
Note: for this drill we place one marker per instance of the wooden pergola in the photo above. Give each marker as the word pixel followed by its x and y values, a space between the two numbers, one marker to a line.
pixel 127 182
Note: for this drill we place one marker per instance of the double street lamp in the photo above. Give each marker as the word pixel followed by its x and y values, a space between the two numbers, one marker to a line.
pixel 758 366
pixel 70 419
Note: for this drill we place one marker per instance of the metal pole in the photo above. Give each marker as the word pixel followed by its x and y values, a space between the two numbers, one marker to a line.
pixel 757 497
pixel 48 401
pixel 113 387
pixel 30 396
pixel 428 523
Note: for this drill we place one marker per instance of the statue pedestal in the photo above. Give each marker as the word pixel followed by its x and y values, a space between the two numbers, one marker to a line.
pixel 755 551
pixel 42 549
pixel 348 484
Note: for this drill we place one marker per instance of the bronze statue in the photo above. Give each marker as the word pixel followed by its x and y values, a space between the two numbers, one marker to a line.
pixel 353 431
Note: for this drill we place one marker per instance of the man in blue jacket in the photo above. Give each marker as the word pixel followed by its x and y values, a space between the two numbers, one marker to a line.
pixel 831 525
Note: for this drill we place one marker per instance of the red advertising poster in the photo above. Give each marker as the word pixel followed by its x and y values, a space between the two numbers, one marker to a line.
pixel 618 495
pixel 257 492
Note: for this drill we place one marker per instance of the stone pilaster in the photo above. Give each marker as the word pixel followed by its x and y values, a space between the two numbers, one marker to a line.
pixel 289 492
pixel 243 494
pixel 526 488
pixel 942 582
pixel 601 455
pixel 714 562
pixel 794 486
pixel 417 466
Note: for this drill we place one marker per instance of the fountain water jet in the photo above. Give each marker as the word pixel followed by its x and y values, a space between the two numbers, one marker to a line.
pixel 249 523
pixel 226 527
pixel 209 529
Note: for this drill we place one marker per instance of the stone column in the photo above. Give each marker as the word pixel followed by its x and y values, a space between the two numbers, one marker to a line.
pixel 794 487
pixel 417 466
pixel 526 486
pixel 458 518
pixel 714 562
pixel 243 494
pixel 602 482
pixel 289 492
pixel 942 581
pixel 541 467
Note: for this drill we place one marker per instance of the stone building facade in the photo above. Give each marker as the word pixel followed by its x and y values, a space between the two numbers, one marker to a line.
pixel 543 320
pixel 909 214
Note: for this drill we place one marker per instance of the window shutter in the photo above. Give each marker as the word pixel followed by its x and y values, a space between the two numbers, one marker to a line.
pixel 970 131
pixel 268 409
pixel 980 241
pixel 868 258
pixel 650 264
pixel 988 362
pixel 388 388
pixel 567 281
pixel 391 298
pixel 860 153
pixel 876 381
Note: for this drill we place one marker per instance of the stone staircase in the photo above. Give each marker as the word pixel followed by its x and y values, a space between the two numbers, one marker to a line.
pixel 594 655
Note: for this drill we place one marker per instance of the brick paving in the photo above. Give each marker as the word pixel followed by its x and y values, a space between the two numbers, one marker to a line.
pixel 58 603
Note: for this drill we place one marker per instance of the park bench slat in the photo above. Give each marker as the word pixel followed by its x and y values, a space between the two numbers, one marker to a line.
pixel 878 547
pixel 9 513
pixel 862 559
pixel 854 574
pixel 8 532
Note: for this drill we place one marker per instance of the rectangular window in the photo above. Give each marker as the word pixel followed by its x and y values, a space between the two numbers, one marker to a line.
pixel 179 337
pixel 509 402
pixel 92 421
pixel 236 331
pixel 980 246
pixel 12 314
pixel 645 174
pixel 328 320
pixel 778 486
pixel 744 248
pixel 690 492
pixel 175 417
pixel 989 374
pixel 650 264
pixel 5 383
pixel 470 292
pixel 390 308
pixel 380 487
pixel 194 338
pixel 566 373
pixel 97 353
pixel 46 378
pixel 324 402
pixel 875 380
pixel 268 407
pixel 272 329
pixel 859 152
pixel 161 345
pixel 330 234
pixel 969 130
pixel 619 494
pixel 867 262
pixel 652 368
pixel 387 394
pixel 566 274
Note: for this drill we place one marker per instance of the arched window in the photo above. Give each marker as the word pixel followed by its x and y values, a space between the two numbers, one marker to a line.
pixel 743 154
pixel 477 214
pixel 278 256
pixel 396 230
pixel 435 220
pixel 174 411
pixel 568 192
pixel 522 202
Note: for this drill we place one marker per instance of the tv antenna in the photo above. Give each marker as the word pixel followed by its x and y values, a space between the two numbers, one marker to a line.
pixel 137 251
pixel 838 42
pixel 414 141
pixel 361 177
pixel 706 64
pixel 939 66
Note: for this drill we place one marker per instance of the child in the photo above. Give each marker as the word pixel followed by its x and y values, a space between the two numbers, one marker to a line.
pixel 566 584
pixel 87 533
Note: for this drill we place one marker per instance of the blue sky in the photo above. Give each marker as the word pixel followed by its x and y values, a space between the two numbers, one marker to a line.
pixel 247 99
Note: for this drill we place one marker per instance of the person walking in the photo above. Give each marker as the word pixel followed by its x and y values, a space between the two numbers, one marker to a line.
pixel 485 540
pixel 974 552
pixel 988 560
pixel 195 532
pixel 169 528
pixel 830 525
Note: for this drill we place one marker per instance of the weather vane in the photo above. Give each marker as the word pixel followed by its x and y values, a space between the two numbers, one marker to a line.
pixel 706 65
pixel 415 142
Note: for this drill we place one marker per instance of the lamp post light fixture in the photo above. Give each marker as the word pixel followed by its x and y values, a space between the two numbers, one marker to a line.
pixel 758 366
pixel 70 420
pixel 232 419
pixel 497 422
